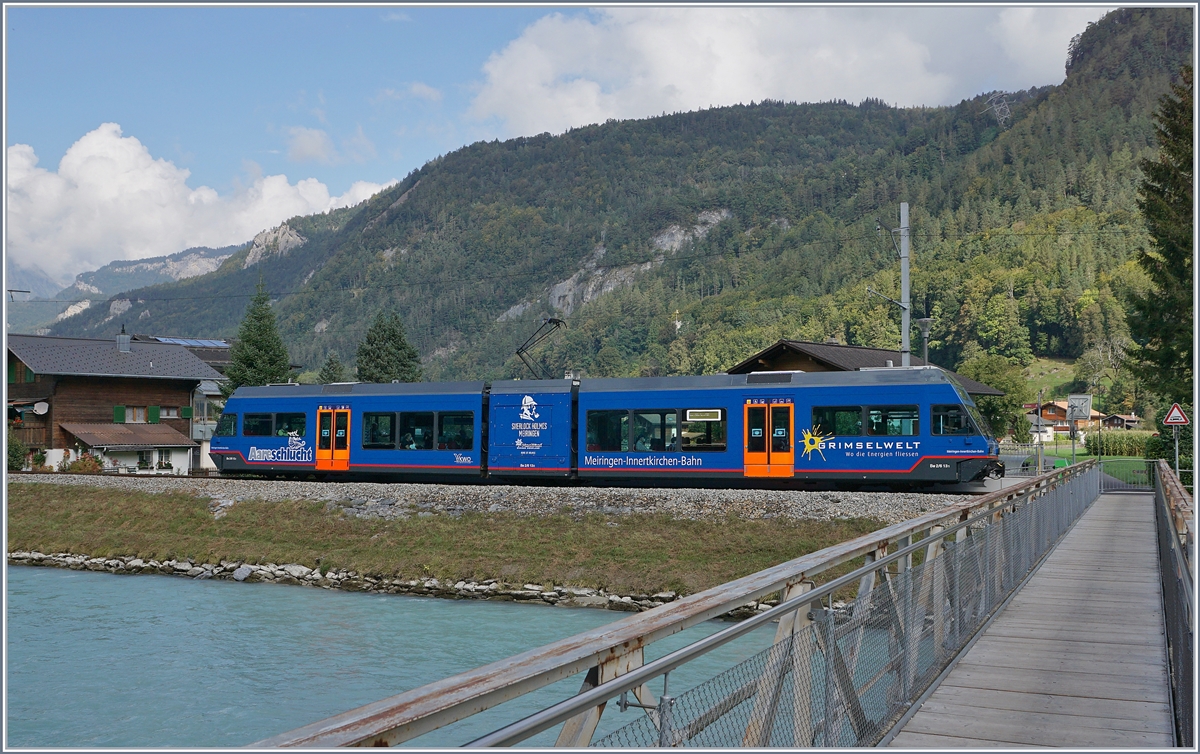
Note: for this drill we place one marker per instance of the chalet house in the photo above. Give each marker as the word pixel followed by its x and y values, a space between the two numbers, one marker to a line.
pixel 831 356
pixel 1055 412
pixel 131 404
pixel 1122 421
pixel 1042 430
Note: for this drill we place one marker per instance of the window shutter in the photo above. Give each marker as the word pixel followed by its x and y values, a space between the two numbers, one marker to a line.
pixel 12 371
pixel 152 414
pixel 28 374
pixel 118 414
pixel 185 412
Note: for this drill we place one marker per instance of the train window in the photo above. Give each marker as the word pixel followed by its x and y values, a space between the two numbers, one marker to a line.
pixel 893 420
pixel 290 424
pixel 704 429
pixel 839 421
pixel 608 431
pixel 379 431
pixel 456 430
pixel 256 425
pixel 655 430
pixel 324 430
pixel 341 430
pixel 416 430
pixel 951 420
pixel 227 425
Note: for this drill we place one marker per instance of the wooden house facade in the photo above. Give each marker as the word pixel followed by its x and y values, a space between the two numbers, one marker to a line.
pixel 56 385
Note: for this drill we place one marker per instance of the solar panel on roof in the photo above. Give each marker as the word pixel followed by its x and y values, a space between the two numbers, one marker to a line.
pixel 195 342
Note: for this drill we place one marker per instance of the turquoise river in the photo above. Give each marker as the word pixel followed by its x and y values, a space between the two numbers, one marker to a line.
pixel 100 660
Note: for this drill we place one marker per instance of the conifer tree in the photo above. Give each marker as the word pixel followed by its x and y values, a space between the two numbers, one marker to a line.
pixel 332 371
pixel 258 356
pixel 385 354
pixel 1161 320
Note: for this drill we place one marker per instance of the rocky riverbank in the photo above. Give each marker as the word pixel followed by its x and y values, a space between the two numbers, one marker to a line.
pixel 298 575
pixel 365 500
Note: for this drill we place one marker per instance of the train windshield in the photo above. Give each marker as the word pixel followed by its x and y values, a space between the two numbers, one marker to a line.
pixel 980 422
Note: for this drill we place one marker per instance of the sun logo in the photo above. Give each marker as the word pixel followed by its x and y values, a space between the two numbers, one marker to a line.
pixel 813 441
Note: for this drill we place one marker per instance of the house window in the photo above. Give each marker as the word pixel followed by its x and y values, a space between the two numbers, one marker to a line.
pixel 170 412
pixel 144 459
pixel 164 458
pixel 135 414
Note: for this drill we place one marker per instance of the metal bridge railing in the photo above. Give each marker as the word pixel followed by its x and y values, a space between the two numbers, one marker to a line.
pixel 1176 522
pixel 835 675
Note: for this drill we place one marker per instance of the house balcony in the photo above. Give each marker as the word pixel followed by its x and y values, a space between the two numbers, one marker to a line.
pixel 34 437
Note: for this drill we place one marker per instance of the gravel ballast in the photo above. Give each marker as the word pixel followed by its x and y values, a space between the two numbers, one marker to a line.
pixel 382 500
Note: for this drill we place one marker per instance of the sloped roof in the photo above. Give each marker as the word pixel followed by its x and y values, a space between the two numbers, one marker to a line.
pixel 101 358
pixel 849 358
pixel 128 436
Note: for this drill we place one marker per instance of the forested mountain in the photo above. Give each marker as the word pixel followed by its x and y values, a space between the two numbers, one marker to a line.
pixel 683 243
pixel 96 286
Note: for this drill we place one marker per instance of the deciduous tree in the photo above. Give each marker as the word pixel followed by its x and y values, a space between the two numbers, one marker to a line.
pixel 1002 412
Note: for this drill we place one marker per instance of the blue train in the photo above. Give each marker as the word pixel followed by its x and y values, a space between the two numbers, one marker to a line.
pixel 890 426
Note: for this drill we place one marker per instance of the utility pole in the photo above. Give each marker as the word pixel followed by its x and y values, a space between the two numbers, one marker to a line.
pixel 905 309
pixel 1041 459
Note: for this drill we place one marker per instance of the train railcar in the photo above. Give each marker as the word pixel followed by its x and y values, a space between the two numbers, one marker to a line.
pixel 419 431
pixel 889 426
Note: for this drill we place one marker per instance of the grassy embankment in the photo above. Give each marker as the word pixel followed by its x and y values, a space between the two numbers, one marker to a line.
pixel 626 554
pixel 1055 376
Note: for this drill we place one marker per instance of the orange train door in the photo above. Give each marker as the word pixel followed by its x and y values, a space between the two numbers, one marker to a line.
pixel 768 449
pixel 333 439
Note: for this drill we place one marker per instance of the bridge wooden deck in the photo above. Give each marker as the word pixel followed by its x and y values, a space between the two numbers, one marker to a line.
pixel 1077 659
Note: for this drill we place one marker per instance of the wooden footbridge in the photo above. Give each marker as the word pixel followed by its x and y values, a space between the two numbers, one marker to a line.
pixel 1078 658
pixel 1045 614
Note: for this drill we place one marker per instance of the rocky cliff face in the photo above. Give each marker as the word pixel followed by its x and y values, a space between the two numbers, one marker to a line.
pixel 173 267
pixel 594 279
pixel 277 241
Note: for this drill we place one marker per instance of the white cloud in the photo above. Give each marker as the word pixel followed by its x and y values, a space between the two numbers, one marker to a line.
pixel 110 199
pixel 358 147
pixel 1033 38
pixel 425 92
pixel 566 71
pixel 310 145
pixel 415 89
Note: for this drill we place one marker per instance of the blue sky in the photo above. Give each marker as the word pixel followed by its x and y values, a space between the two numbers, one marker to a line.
pixel 139 131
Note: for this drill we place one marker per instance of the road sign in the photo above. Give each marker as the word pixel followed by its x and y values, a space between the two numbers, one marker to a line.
pixel 1175 417
pixel 1079 407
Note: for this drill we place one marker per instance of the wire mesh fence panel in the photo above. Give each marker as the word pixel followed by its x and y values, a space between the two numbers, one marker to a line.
pixel 851 671
pixel 1127 475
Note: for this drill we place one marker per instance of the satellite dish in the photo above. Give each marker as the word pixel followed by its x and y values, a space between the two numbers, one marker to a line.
pixel 40 408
